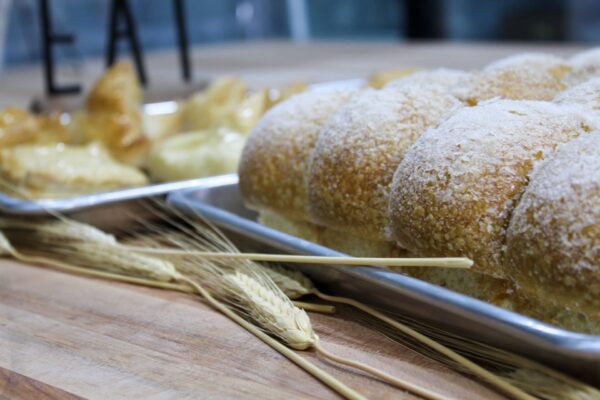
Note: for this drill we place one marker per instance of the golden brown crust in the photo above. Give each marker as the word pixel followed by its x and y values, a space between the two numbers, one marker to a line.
pixel 553 241
pixel 359 150
pixel 112 115
pixel 57 170
pixel 529 76
pixel 454 192
pixel 19 126
pixel 275 158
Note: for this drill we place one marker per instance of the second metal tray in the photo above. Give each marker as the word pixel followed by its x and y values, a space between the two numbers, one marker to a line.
pixel 575 353
pixel 18 206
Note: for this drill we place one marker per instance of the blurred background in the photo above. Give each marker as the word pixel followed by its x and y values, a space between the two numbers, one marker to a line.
pixel 222 21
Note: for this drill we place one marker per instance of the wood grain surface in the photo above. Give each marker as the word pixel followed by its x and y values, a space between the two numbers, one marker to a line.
pixel 64 336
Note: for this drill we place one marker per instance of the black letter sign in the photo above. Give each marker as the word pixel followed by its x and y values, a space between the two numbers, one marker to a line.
pixel 48 38
pixel 121 7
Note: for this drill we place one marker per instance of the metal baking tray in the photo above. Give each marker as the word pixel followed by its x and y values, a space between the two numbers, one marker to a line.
pixel 577 354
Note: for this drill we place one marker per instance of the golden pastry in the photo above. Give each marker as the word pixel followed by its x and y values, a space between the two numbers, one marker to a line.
pixel 112 115
pixel 196 155
pixel 206 109
pixel 20 126
pixel 58 170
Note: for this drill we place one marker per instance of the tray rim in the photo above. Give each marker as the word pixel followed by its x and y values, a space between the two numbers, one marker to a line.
pixel 18 207
pixel 580 345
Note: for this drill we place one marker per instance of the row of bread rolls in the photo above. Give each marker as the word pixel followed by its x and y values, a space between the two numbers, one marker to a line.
pixel 443 163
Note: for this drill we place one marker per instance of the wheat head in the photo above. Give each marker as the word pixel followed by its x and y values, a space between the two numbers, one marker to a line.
pixel 276 314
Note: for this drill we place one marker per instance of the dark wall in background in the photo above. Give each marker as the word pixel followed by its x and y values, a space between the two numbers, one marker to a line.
pixel 211 21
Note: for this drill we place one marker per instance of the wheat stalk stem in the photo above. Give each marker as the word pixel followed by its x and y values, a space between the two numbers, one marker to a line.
pixel 320 308
pixel 192 287
pixel 490 377
pixel 292 278
pixel 378 373
pixel 318 373
pixel 444 262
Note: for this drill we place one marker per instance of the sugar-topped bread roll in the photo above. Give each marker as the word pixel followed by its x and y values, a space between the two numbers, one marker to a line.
pixel 553 240
pixel 275 157
pixel 453 80
pixel 359 150
pixel 531 76
pixel 586 94
pixel 584 65
pixel 455 190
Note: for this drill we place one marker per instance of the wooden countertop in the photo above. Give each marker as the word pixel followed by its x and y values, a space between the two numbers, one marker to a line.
pixel 64 336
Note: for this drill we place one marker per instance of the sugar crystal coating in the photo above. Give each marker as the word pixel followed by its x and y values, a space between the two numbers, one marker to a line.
pixel 586 94
pixel 530 76
pixel 453 80
pixel 584 65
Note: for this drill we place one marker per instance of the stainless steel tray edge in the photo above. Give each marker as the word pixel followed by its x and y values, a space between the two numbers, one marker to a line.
pixel 14 206
pixel 574 353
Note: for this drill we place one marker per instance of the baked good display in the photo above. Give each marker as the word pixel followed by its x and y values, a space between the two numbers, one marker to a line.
pixel 530 76
pixel 123 131
pixel 553 240
pixel 216 149
pixel 498 165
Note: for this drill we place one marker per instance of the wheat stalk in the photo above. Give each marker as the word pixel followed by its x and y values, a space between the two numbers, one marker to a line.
pixel 526 374
pixel 7 248
pixel 518 371
pixel 62 229
pixel 276 314
pixel 297 279
pixel 375 262
pixel 213 237
pixel 333 383
pixel 249 288
pixel 258 298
